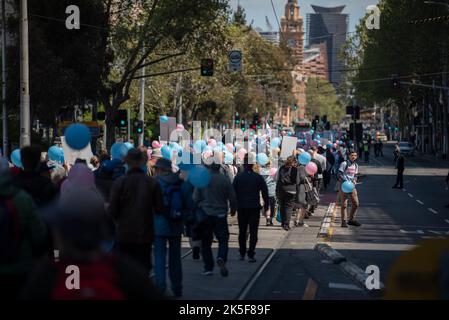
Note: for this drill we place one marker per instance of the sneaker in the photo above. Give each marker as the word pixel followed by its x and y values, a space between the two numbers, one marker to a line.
pixel 354 223
pixel 344 224
pixel 303 224
pixel 251 260
pixel 223 271
pixel 196 253
pixel 207 273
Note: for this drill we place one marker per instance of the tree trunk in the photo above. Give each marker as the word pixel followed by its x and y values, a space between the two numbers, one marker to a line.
pixel 110 127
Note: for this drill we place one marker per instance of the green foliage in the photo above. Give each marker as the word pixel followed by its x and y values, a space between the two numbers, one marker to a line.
pixel 322 100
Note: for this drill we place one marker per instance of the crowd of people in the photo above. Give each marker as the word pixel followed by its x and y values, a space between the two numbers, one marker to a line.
pixel 118 219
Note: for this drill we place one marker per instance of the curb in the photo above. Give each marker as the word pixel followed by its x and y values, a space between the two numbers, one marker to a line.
pixel 326 226
pixel 351 269
pixel 326 250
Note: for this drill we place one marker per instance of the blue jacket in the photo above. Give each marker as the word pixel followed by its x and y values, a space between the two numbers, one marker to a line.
pixel 162 226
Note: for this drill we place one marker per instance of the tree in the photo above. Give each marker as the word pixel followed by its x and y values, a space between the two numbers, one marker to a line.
pixel 239 17
pixel 322 100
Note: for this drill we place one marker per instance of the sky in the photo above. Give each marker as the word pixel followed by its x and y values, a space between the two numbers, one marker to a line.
pixel 258 9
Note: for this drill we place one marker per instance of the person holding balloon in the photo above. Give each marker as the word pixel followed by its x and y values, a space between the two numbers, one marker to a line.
pixel 347 179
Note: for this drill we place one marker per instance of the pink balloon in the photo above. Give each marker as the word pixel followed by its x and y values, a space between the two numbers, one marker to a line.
pixel 180 127
pixel 230 147
pixel 273 172
pixel 241 153
pixel 212 143
pixel 156 144
pixel 311 168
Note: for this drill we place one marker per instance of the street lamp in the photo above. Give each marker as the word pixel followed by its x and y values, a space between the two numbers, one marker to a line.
pixel 25 138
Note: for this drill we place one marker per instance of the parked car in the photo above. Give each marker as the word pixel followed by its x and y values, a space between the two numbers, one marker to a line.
pixel 407 148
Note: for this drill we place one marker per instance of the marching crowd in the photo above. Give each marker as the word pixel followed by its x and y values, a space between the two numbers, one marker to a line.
pixel 118 220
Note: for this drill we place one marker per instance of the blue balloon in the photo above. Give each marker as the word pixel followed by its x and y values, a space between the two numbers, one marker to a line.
pixel 312 131
pixel 262 159
pixel 56 154
pixel 77 136
pixel 129 145
pixel 318 137
pixel 199 177
pixel 166 152
pixel 163 119
pixel 347 187
pixel 199 146
pixel 275 143
pixel 329 145
pixel 220 144
pixel 304 158
pixel 229 158
pixel 119 151
pixel 16 158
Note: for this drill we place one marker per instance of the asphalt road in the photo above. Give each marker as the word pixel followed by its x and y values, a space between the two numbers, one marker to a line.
pixel 393 221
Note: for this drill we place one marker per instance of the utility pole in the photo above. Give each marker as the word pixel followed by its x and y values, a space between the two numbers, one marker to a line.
pixel 129 124
pixel 178 102
pixel 5 109
pixel 142 106
pixel 25 138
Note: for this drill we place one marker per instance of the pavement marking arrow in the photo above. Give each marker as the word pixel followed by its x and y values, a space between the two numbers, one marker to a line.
pixel 431 210
pixel 410 195
pixel 447 220
pixel 420 202
pixel 412 232
pixel 403 189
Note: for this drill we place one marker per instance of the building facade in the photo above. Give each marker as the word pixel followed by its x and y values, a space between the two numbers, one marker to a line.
pixel 329 25
pixel 316 62
pixel 292 30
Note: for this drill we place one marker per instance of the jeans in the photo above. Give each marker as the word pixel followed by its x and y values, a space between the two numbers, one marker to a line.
pixel 219 227
pixel 248 217
pixel 174 262
pixel 286 206
pixel 344 204
pixel 400 179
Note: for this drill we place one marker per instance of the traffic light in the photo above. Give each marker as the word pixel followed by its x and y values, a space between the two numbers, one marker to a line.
pixel 256 121
pixel 207 67
pixel 243 125
pixel 138 126
pixel 121 119
pixel 324 119
pixel 237 119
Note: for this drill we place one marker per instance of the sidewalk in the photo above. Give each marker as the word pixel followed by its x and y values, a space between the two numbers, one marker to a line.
pixel 216 287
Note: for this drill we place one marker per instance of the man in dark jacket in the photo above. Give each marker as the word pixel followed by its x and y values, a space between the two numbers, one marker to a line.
pixel 135 197
pixel 40 188
pixel 16 253
pixel 248 185
pixel 400 165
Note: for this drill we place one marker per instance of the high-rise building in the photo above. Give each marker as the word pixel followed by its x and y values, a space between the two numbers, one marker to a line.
pixel 315 61
pixel 292 30
pixel 329 25
pixel 270 36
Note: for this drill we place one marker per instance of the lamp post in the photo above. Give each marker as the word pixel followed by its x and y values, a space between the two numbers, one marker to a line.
pixel 25 138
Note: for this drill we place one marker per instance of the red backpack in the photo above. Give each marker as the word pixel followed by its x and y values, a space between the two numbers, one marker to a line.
pixel 98 281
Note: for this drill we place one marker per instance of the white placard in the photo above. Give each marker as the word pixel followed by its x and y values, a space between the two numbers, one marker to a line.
pixel 288 146
pixel 70 155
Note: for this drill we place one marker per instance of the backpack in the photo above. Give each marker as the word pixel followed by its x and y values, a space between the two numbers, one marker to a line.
pixel 98 281
pixel 10 235
pixel 173 201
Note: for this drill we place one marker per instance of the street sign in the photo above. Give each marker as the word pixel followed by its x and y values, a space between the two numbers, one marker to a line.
pixel 235 61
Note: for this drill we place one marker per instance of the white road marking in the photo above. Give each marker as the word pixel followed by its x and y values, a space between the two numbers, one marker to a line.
pixel 419 201
pixel 436 232
pixel 412 232
pixel 403 189
pixel 431 210
pixel 410 195
pixel 345 286
pixel 447 220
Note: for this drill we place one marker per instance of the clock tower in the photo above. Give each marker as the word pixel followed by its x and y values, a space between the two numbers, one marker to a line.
pixel 292 31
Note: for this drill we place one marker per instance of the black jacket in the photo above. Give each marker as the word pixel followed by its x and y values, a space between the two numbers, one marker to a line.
pixel 400 163
pixel 40 188
pixel 248 185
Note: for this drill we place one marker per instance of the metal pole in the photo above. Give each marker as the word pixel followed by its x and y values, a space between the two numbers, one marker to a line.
pixel 25 138
pixel 129 124
pixel 5 109
pixel 142 105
